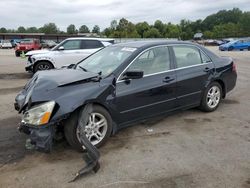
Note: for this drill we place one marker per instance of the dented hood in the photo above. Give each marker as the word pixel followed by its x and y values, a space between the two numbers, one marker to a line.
pixel 44 83
pixel 63 77
pixel 35 52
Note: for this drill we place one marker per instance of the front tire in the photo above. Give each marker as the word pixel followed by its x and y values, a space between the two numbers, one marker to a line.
pixel 42 65
pixel 211 97
pixel 97 130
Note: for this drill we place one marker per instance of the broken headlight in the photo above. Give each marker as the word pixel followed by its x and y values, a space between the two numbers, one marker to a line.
pixel 39 115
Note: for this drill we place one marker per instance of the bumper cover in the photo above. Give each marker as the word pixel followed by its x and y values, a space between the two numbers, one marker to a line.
pixel 41 138
pixel 29 68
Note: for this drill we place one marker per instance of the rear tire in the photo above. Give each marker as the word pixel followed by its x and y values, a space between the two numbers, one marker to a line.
pixel 71 128
pixel 42 65
pixel 248 48
pixel 211 97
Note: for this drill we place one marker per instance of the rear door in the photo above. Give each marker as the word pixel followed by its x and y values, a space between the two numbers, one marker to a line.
pixel 90 46
pixel 154 93
pixel 193 69
pixel 241 45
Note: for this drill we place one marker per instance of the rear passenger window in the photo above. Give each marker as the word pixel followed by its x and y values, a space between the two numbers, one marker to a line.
pixel 91 44
pixel 205 59
pixel 152 61
pixel 187 56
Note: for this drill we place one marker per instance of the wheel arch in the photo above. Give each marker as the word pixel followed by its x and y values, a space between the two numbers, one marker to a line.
pixel 223 87
pixel 114 124
pixel 42 60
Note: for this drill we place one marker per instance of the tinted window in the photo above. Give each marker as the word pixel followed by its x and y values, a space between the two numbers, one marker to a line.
pixel 186 56
pixel 72 45
pixel 205 59
pixel 152 61
pixel 106 60
pixel 91 44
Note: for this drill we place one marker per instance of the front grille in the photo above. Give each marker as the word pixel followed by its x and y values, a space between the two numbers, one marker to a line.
pixel 29 59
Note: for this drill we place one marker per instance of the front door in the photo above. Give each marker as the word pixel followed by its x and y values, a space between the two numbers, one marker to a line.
pixel 154 93
pixel 71 54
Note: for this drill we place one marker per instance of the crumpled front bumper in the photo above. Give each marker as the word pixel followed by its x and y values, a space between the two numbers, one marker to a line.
pixel 41 137
pixel 29 68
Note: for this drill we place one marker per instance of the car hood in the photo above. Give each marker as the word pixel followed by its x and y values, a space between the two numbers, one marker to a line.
pixel 34 52
pixel 44 83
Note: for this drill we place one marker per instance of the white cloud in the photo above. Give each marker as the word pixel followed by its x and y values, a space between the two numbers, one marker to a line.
pixel 64 12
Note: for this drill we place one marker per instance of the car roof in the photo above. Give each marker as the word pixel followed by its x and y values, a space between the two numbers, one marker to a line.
pixel 87 38
pixel 150 43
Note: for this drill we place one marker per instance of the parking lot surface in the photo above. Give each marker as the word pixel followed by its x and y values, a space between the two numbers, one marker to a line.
pixel 187 149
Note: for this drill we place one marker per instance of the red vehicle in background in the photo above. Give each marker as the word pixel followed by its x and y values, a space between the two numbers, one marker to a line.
pixel 26 45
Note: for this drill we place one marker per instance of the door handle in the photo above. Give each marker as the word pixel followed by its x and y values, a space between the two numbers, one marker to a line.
pixel 168 79
pixel 207 69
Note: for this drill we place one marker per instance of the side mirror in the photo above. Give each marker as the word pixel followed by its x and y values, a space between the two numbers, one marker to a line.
pixel 133 75
pixel 61 48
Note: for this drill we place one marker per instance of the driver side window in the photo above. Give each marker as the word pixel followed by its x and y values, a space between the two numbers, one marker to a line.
pixel 152 61
pixel 72 45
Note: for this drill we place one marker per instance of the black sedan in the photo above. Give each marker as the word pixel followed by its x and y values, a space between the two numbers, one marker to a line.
pixel 124 84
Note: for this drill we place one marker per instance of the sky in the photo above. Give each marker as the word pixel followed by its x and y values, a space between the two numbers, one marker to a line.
pixel 27 13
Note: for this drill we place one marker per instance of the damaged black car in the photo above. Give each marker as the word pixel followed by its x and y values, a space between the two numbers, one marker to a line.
pixel 124 84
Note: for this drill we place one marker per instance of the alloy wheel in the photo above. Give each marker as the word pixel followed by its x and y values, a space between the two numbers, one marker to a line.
pixel 96 128
pixel 43 67
pixel 213 96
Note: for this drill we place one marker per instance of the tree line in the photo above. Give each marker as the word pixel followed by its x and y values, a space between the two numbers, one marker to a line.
pixel 223 24
pixel 51 28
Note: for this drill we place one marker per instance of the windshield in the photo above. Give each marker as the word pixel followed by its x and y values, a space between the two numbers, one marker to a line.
pixel 232 42
pixel 106 60
pixel 26 41
pixel 57 46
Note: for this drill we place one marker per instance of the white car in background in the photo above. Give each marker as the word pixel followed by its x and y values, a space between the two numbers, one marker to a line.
pixel 69 51
pixel 5 44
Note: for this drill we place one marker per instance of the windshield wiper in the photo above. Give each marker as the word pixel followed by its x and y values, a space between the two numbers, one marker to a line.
pixel 85 70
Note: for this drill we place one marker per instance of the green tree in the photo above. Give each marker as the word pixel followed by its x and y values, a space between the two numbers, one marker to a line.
pixel 160 26
pixel 172 31
pixel 244 24
pixel 152 33
pixel 222 17
pixel 208 34
pixel 131 31
pixel 21 29
pixel 49 28
pixel 141 28
pixel 3 30
pixel 84 29
pixel 71 29
pixel 113 25
pixel 107 32
pixel 96 29
pixel 32 30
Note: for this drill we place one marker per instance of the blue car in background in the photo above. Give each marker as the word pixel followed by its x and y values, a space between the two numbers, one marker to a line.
pixel 14 42
pixel 235 45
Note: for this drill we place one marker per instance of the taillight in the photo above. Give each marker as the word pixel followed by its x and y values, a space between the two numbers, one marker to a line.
pixel 234 67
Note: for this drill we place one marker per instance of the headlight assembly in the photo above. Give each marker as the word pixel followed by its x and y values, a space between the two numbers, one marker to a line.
pixel 39 115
